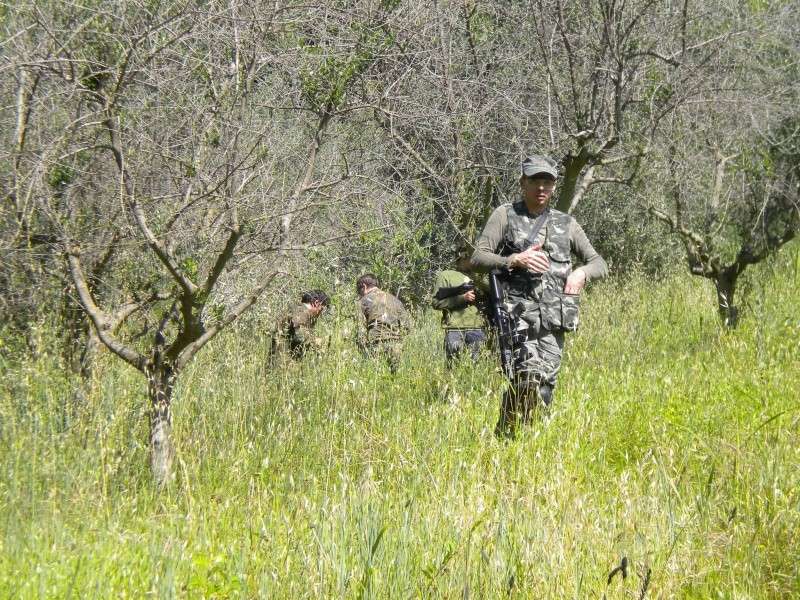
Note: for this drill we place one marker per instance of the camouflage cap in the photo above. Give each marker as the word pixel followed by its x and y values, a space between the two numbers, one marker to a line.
pixel 537 164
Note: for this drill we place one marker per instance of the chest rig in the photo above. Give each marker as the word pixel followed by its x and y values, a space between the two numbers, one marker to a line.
pixel 554 239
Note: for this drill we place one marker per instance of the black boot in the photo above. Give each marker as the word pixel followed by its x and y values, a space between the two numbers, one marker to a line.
pixel 509 415
pixel 529 400
pixel 545 399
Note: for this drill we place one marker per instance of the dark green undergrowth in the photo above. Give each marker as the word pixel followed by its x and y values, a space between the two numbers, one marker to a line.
pixel 674 443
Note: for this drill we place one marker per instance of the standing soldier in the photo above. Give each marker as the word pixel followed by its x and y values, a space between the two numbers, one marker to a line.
pixel 455 296
pixel 531 245
pixel 386 320
pixel 293 334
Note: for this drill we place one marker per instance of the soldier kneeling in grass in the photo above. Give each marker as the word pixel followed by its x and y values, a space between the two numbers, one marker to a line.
pixel 293 335
pixel 386 320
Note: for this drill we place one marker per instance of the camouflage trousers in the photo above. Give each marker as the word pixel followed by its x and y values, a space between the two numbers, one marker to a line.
pixel 537 361
pixel 388 349
pixel 537 354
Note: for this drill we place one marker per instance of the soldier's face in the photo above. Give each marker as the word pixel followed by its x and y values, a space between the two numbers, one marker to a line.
pixel 537 191
pixel 464 264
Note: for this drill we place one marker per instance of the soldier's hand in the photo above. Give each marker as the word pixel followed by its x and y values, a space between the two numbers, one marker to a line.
pixel 469 297
pixel 575 282
pixel 533 259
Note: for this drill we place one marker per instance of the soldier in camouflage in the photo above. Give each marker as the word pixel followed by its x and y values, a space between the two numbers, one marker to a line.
pixel 293 334
pixel 386 320
pixel 532 245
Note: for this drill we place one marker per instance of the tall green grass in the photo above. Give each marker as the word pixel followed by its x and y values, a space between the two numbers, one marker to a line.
pixel 673 443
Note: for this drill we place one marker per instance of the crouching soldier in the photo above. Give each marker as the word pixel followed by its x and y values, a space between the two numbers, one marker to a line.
pixel 293 335
pixel 455 294
pixel 385 318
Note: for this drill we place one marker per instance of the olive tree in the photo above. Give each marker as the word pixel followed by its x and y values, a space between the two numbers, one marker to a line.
pixel 182 146
pixel 730 171
pixel 474 87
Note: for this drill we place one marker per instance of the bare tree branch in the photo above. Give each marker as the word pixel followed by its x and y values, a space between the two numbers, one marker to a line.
pixel 190 350
pixel 158 247
pixel 103 323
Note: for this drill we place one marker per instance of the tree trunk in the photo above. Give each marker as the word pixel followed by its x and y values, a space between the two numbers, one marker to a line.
pixel 80 339
pixel 90 349
pixel 161 379
pixel 725 284
pixel 573 164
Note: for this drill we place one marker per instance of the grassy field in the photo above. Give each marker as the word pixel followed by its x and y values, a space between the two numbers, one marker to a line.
pixel 673 443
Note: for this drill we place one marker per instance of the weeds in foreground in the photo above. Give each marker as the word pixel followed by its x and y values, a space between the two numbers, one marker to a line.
pixel 674 444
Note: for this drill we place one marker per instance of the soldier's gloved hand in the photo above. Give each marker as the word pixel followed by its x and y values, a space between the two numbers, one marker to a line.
pixel 575 282
pixel 533 259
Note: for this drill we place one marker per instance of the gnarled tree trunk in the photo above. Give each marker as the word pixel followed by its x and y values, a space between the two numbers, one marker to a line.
pixel 160 383
pixel 725 284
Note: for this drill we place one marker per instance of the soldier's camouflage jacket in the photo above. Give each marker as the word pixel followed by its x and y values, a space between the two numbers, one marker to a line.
pixel 385 316
pixel 539 299
pixel 293 333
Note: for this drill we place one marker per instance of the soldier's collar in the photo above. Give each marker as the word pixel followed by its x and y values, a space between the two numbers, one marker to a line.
pixel 521 204
pixel 370 290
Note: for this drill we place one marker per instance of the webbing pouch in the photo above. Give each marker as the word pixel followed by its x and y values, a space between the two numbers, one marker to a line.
pixel 559 311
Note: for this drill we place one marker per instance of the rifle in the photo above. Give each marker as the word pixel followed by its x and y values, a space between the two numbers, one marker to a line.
pixel 503 322
pixel 458 290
